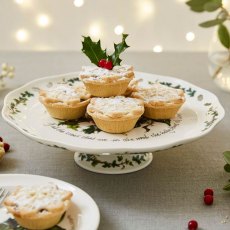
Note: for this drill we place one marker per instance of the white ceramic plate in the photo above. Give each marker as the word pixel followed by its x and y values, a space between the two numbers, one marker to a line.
pixel 82 209
pixel 198 116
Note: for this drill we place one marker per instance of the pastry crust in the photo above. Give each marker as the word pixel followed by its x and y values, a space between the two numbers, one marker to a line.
pixel 38 207
pixel 131 87
pixel 2 150
pixel 115 114
pixel 102 82
pixel 161 102
pixel 65 102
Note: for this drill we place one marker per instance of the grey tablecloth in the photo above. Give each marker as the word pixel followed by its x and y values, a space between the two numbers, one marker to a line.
pixel 166 194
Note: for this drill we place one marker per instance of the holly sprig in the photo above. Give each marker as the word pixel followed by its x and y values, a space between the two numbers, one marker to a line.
pixel 227 168
pixel 118 49
pixel 93 50
pixel 95 53
pixel 222 16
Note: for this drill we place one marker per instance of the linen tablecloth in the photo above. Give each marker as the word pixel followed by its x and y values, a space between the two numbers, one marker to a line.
pixel 166 194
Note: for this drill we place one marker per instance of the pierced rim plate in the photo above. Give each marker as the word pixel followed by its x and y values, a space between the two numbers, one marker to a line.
pixel 197 117
pixel 82 209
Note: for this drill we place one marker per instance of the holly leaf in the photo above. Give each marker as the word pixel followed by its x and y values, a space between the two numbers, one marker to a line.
pixel 212 5
pixel 224 36
pixel 212 23
pixel 93 50
pixel 119 48
pixel 197 5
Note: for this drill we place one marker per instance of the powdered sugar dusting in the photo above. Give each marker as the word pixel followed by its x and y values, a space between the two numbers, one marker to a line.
pixel 95 73
pixel 158 93
pixel 37 197
pixel 115 105
pixel 64 92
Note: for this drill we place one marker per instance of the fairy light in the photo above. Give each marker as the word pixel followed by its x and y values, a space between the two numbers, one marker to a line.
pixel 23 3
pixel 147 7
pixel 43 20
pixel 157 49
pixel 144 8
pixel 19 2
pixel 118 30
pixel 78 3
pixel 22 35
pixel 226 4
pixel 95 30
pixel 190 36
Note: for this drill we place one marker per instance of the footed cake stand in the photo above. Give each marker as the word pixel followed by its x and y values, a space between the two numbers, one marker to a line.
pixel 113 163
pixel 102 152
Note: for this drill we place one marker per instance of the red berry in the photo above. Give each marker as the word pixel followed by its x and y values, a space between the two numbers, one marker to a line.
pixel 6 147
pixel 1 139
pixel 102 63
pixel 208 199
pixel 108 65
pixel 208 191
pixel 192 225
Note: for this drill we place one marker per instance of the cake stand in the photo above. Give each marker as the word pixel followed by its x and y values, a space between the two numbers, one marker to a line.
pixel 102 152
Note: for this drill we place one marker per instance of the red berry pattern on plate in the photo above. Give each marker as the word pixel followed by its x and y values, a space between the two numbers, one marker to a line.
pixel 192 225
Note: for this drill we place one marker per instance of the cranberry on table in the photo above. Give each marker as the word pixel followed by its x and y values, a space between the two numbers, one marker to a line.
pixel 208 191
pixel 6 147
pixel 192 225
pixel 1 139
pixel 208 199
pixel 102 63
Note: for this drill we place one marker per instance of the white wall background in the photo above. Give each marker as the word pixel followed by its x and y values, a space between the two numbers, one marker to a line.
pixel 149 23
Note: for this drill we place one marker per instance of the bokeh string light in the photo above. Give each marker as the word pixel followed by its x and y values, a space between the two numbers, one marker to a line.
pixel 22 35
pixel 24 3
pixel 157 49
pixel 190 36
pixel 43 20
pixel 119 29
pixel 95 30
pixel 226 3
pixel 145 8
pixel 19 2
pixel 78 3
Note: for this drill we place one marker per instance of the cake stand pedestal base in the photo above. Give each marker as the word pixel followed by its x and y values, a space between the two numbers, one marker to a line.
pixel 113 163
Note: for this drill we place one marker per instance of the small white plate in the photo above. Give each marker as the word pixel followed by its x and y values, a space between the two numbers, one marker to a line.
pixel 83 212
pixel 197 117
